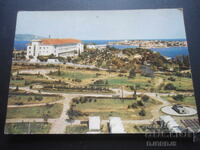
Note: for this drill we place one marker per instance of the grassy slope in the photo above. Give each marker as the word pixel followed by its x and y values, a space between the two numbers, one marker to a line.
pixel 188 100
pixel 54 111
pixel 113 107
pixel 76 129
pixel 30 99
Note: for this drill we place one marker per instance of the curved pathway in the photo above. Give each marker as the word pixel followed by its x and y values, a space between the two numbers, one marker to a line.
pixel 59 124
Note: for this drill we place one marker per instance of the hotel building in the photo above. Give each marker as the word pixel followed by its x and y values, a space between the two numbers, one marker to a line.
pixel 57 47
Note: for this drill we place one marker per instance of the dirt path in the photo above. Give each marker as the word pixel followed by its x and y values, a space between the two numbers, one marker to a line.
pixel 59 125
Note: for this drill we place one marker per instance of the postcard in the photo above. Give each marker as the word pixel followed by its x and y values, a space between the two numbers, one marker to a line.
pixel 101 72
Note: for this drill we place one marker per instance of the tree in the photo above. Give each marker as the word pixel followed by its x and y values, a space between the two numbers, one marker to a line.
pixel 17 88
pixel 45 117
pixel 134 105
pixel 38 98
pixel 140 103
pixel 145 98
pixel 178 97
pixel 69 59
pixel 29 98
pixel 99 82
pixel 142 112
pixel 132 73
pixel 106 82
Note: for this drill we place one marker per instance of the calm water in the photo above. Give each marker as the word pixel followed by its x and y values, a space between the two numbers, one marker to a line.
pixel 172 51
pixel 169 52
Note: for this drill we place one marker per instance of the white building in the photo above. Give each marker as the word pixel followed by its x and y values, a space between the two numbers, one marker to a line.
pixel 115 125
pixel 170 123
pixel 57 47
pixel 94 125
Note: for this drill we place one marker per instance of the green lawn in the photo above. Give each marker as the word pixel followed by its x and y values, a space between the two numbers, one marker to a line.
pixel 19 83
pixel 139 80
pixel 28 79
pixel 132 128
pixel 181 83
pixel 113 107
pixel 53 111
pixel 76 129
pixel 27 128
pixel 74 74
pixel 187 100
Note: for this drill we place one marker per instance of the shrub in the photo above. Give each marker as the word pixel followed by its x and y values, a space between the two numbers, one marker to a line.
pixel 169 86
pixel 76 80
pixel 134 96
pixel 171 79
pixel 17 88
pixel 74 113
pixel 145 98
pixel 99 82
pixel 142 113
pixel 140 103
pixel 19 103
pixel 49 105
pixel 134 105
pixel 38 98
pixel 178 97
pixel 29 98
pixel 98 74
pixel 26 83
pixel 120 75
pixel 123 71
pixel 132 73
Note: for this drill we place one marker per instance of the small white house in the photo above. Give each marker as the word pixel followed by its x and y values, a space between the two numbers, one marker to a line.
pixel 170 123
pixel 94 123
pixel 115 125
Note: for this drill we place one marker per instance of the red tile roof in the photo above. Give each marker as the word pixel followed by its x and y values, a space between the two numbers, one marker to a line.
pixel 59 41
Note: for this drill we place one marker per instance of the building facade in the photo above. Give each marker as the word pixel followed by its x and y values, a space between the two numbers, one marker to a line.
pixel 56 47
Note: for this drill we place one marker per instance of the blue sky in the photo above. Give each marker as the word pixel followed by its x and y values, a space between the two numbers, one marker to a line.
pixel 103 25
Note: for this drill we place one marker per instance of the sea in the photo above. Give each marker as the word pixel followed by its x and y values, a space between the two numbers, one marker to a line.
pixel 169 52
